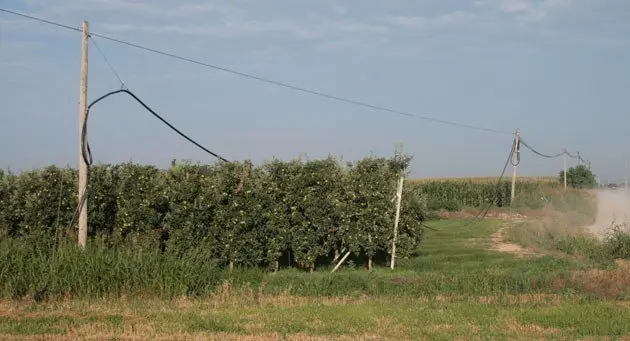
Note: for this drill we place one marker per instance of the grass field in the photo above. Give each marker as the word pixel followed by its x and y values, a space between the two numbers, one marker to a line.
pixel 458 287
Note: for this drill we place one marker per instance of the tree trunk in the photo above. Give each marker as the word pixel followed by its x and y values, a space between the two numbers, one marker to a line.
pixel 231 266
pixel 276 265
pixel 312 267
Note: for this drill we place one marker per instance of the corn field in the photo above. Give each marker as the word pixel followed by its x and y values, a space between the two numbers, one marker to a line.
pixel 453 194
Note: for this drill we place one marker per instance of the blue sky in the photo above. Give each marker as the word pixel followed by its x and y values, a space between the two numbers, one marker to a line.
pixel 556 69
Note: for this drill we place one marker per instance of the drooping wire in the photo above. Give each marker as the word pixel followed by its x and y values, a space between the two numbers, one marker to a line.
pixel 548 156
pixel 87 155
pixel 271 81
pixel 586 162
pixel 482 214
pixel 86 152
pixel 518 154
pixel 564 152
pixel 571 155
pixel 484 211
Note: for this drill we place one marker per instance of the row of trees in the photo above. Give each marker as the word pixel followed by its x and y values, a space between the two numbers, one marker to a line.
pixel 302 212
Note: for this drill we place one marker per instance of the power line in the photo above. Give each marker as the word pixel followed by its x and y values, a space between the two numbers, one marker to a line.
pixel 270 81
pixel 41 20
pixel 553 156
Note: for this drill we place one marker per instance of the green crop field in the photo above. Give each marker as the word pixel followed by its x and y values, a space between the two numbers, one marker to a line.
pixel 240 252
pixel 491 179
pixel 454 194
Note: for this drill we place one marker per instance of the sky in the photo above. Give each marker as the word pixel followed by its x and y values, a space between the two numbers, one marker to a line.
pixel 556 69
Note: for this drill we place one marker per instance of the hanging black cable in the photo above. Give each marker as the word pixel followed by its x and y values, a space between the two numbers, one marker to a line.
pixel 87 155
pixel 482 214
pixel 541 154
pixel 86 152
pixel 484 211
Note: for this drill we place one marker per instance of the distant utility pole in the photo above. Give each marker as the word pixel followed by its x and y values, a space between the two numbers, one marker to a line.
pixel 626 178
pixel 515 158
pixel 82 113
pixel 399 150
pixel 565 169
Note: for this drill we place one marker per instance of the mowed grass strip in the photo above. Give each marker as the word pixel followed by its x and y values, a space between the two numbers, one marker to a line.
pixel 438 318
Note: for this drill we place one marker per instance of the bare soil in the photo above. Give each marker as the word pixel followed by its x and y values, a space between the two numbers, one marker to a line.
pixel 500 244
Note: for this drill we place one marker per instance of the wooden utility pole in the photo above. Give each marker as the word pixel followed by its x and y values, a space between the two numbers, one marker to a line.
pixel 82 112
pixel 626 178
pixel 398 202
pixel 515 152
pixel 565 170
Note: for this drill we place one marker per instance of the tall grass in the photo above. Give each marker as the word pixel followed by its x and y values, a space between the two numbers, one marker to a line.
pixel 26 270
pixel 449 264
pixel 573 240
pixel 104 272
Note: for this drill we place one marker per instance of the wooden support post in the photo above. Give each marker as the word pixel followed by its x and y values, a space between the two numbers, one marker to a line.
pixel 341 261
pixel 515 152
pixel 83 228
pixel 338 254
pixel 398 203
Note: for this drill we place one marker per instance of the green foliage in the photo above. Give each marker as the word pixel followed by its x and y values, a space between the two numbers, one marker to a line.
pixel 579 177
pixel 5 184
pixel 455 194
pixel 298 211
pixel 618 241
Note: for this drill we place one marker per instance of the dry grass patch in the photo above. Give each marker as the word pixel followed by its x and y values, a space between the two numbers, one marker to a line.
pixel 197 337
pixel 613 283
pixel 547 299
pixel 528 330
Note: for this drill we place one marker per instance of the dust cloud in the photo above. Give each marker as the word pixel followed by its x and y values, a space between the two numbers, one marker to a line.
pixel 613 208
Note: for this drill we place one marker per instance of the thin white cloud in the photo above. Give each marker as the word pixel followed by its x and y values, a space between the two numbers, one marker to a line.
pixel 155 9
pixel 339 10
pixel 328 26
pixel 443 20
pixel 252 28
pixel 227 30
pixel 529 11
pixel 190 18
pixel 516 6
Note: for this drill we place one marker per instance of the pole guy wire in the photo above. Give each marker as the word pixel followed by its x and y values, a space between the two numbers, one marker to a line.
pixel 122 83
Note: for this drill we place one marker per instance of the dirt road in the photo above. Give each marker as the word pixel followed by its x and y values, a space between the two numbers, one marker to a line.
pixel 613 207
